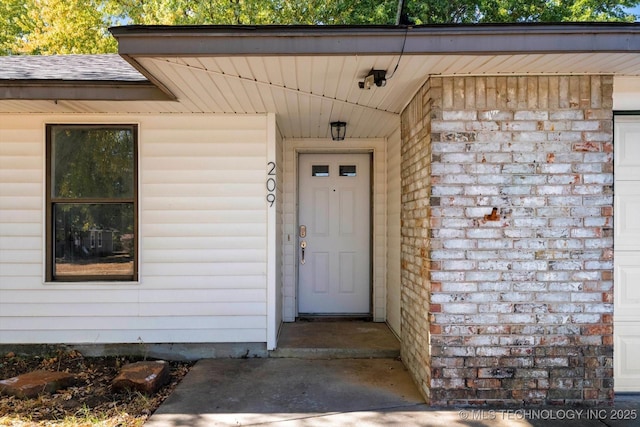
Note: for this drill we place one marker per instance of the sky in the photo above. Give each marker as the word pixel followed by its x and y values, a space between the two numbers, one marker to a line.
pixel 636 11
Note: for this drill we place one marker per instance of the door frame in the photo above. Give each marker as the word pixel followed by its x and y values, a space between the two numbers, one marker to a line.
pixel 369 155
pixel 377 149
pixel 623 325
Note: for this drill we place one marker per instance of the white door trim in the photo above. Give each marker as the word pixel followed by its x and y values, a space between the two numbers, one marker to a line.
pixel 292 148
pixel 339 240
pixel 626 297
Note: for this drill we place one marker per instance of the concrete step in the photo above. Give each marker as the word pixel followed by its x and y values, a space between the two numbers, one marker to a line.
pixel 336 340
pixel 335 353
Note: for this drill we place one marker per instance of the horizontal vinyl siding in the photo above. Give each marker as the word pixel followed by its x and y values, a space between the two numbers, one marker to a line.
pixel 21 203
pixel 202 249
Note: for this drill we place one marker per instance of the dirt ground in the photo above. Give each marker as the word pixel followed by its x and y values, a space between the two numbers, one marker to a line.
pixel 90 402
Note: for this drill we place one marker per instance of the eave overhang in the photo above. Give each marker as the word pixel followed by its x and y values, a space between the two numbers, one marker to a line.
pixel 491 39
pixel 81 90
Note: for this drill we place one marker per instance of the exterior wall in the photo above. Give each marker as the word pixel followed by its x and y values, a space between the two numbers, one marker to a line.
pixel 274 232
pixel 393 231
pixel 415 284
pixel 520 302
pixel 379 200
pixel 202 243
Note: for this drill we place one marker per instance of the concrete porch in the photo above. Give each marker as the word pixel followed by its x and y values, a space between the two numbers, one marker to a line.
pixel 352 339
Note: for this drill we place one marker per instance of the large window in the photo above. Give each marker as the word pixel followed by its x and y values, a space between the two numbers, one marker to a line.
pixel 91 202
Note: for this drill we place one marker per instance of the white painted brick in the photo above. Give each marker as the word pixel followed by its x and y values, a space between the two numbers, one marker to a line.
pixel 530 179
pixel 447 190
pixel 454 115
pixel 567 115
pixel 598 243
pixel 531 115
pixel 519 168
pixel 494 287
pixel 529 137
pixel 494 244
pixel 548 190
pixel 483 168
pixel 449 233
pixel 459 287
pixel 517 318
pixel 496 308
pixel 597 200
pixel 494 179
pixel 458 157
pixel 565 201
pixel 482 126
pixel 584 125
pixel 552 276
pixel 555 168
pixel 494 265
pixel 564 136
pixel 479 276
pixel 442 126
pixel 495 115
pixel 460 244
pixel 598 308
pixel 598 178
pixel 456 308
pixel 598 136
pixel 458 265
pixel 496 158
pixel 586 318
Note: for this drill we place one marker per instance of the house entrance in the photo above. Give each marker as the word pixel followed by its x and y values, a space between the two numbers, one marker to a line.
pixel 334 234
pixel 626 296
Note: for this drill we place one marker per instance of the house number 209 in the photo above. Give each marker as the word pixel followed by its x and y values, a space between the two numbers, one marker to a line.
pixel 271 183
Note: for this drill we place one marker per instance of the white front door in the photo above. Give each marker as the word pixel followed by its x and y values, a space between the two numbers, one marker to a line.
pixel 626 310
pixel 334 228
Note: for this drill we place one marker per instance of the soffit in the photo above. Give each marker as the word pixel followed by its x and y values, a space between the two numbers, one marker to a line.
pixel 308 92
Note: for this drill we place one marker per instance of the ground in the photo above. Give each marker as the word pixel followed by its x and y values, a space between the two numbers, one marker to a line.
pixel 91 402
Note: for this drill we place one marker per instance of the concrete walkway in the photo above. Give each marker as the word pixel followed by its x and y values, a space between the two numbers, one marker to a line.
pixel 302 389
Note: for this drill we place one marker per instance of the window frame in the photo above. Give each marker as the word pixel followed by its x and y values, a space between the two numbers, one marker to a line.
pixel 52 201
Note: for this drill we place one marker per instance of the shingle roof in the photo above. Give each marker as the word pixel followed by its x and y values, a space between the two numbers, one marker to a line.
pixel 97 68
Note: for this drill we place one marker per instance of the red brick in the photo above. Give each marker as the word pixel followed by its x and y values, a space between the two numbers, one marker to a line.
pixel 32 384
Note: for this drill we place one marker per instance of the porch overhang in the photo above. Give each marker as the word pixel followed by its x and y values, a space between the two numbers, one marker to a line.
pixel 476 39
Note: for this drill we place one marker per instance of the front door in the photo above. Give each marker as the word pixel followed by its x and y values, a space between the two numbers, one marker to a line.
pixel 626 289
pixel 334 234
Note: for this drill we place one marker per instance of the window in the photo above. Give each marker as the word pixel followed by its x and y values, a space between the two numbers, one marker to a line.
pixel 320 170
pixel 348 170
pixel 91 189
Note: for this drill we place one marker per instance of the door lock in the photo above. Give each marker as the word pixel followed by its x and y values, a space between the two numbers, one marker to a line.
pixel 303 246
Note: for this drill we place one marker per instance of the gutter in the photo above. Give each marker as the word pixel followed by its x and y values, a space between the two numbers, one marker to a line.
pixel 474 39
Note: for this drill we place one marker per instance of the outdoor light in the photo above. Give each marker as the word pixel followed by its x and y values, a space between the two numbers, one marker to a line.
pixel 338 130
pixel 375 77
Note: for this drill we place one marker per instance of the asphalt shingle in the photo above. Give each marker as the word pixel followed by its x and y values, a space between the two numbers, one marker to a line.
pixel 103 67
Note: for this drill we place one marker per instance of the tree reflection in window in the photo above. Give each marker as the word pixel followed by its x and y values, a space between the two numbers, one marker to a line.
pixel 92 193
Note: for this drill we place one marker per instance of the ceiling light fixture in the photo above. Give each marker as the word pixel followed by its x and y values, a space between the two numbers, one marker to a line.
pixel 375 77
pixel 338 130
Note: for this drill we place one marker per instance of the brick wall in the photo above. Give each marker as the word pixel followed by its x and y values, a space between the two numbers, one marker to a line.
pixel 519 291
pixel 415 192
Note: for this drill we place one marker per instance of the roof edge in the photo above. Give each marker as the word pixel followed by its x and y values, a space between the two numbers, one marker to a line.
pixel 76 90
pixel 225 40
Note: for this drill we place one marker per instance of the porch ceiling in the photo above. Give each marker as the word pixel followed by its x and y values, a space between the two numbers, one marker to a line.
pixel 308 92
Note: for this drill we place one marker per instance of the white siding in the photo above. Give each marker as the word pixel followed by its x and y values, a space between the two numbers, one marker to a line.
pixel 393 231
pixel 202 246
